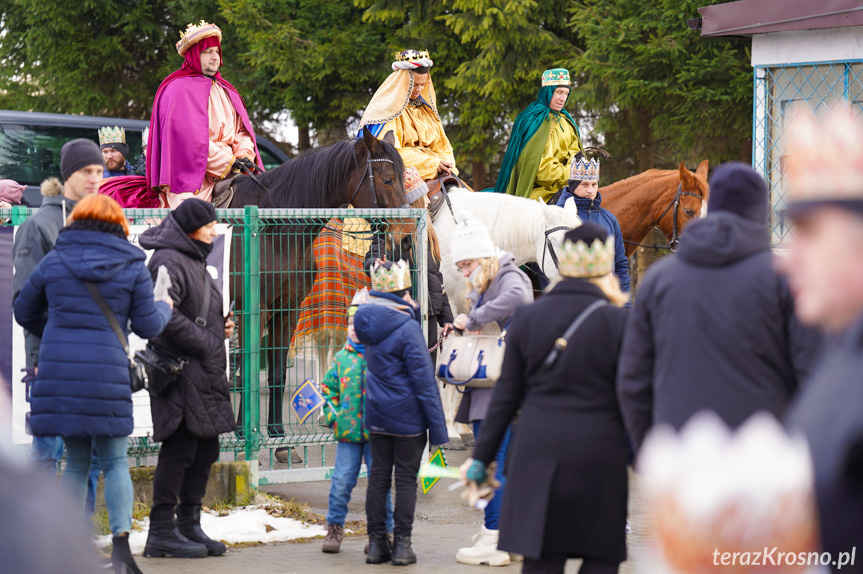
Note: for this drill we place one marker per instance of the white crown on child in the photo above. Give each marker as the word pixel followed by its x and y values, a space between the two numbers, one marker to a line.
pixel 580 261
pixel 396 278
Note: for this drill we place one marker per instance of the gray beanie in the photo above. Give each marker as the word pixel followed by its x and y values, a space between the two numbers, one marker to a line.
pixel 77 154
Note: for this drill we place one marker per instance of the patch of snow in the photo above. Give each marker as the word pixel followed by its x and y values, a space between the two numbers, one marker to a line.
pixel 246 524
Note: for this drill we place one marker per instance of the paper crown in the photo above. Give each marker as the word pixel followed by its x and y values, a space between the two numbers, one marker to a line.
pixel 823 159
pixel 580 261
pixel 412 56
pixel 583 169
pixel 360 297
pixel 194 33
pixel 109 135
pixel 415 187
pixel 555 77
pixel 396 278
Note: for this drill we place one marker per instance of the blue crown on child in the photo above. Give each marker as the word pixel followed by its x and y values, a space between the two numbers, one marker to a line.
pixel 583 169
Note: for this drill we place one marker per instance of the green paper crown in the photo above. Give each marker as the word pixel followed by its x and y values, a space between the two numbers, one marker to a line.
pixel 395 278
pixel 556 77
pixel 580 261
pixel 109 135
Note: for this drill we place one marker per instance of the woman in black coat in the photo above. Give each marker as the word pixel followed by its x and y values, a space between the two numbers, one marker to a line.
pixel 566 487
pixel 190 417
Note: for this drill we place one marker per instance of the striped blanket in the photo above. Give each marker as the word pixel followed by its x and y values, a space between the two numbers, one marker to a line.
pixel 339 251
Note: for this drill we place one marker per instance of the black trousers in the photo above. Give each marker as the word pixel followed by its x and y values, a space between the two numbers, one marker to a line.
pixel 404 454
pixel 556 564
pixel 183 468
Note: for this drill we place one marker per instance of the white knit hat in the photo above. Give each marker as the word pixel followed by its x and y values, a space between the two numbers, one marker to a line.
pixel 471 239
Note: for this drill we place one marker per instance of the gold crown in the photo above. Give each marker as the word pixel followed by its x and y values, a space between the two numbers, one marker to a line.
pixel 396 278
pixel 194 33
pixel 579 260
pixel 583 169
pixel 823 159
pixel 412 55
pixel 109 135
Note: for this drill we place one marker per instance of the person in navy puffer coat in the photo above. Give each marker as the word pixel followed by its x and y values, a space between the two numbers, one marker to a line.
pixel 402 404
pixel 82 390
pixel 583 188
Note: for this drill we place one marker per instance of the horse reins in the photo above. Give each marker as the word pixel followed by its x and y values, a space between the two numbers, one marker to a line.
pixel 675 203
pixel 550 248
pixel 371 175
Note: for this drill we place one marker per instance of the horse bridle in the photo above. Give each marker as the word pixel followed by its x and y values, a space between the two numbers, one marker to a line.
pixel 548 246
pixel 674 242
pixel 369 161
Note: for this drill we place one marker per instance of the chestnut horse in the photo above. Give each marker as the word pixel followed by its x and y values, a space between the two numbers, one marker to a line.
pixel 667 199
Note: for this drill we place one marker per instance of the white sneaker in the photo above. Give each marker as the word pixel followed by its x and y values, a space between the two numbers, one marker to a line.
pixel 484 551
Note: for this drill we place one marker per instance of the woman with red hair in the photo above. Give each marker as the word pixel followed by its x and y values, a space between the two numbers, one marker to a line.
pixel 82 389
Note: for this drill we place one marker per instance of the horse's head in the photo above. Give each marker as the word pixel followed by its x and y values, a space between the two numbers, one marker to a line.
pixel 548 246
pixel 380 180
pixel 683 201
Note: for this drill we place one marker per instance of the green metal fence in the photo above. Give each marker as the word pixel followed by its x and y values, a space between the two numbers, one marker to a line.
pixel 778 92
pixel 292 274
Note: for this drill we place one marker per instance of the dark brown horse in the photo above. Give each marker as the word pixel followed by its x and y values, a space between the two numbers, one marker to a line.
pixel 365 173
pixel 664 199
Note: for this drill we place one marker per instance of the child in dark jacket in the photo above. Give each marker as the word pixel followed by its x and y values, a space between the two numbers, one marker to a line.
pixel 402 405
pixel 344 388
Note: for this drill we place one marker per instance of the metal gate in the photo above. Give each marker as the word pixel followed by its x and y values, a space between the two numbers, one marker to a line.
pixel 292 274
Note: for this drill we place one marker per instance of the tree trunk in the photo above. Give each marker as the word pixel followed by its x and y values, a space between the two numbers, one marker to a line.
pixel 305 140
pixel 480 175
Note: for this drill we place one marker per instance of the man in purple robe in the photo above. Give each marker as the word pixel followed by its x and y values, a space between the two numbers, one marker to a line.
pixel 199 130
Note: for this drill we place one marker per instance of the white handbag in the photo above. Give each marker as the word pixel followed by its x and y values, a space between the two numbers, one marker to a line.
pixel 471 360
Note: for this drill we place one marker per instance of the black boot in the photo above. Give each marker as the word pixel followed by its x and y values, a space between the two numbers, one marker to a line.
pixel 121 557
pixel 379 549
pixel 403 554
pixel 189 525
pixel 164 539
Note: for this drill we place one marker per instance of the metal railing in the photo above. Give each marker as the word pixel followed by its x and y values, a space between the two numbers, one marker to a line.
pixel 779 91
pixel 292 274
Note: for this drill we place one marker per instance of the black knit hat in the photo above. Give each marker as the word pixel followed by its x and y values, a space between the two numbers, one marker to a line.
pixel 738 188
pixel 194 214
pixel 587 232
pixel 77 154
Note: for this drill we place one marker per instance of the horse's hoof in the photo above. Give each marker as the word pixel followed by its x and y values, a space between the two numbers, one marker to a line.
pixel 283 453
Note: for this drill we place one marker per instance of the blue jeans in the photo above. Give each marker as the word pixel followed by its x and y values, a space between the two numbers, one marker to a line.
pixel 349 457
pixel 119 494
pixel 492 511
pixel 47 452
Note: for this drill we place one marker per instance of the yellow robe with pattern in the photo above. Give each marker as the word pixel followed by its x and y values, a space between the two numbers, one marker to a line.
pixel 553 172
pixel 421 140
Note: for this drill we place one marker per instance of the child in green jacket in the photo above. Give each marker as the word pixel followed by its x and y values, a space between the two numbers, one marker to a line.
pixel 344 389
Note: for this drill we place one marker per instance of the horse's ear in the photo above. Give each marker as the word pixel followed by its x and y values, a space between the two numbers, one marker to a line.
pixel 686 178
pixel 390 137
pixel 702 168
pixel 369 140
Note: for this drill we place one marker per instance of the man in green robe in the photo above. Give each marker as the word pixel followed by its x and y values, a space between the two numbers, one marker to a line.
pixel 544 139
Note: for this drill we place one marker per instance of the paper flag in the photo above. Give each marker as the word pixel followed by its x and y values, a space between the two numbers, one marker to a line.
pixel 306 400
pixel 435 466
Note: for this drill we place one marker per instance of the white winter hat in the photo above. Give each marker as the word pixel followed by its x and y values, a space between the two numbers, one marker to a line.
pixel 471 239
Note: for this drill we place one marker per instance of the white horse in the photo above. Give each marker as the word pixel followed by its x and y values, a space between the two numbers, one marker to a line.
pixel 528 229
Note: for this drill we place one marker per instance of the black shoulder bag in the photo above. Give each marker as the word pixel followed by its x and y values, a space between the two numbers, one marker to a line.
pixel 561 343
pixel 162 370
pixel 137 376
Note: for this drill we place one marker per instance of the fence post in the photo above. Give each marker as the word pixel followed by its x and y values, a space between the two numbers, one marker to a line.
pixel 19 214
pixel 252 336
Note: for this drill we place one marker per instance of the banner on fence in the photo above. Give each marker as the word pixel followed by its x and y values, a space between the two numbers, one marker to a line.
pixel 12 358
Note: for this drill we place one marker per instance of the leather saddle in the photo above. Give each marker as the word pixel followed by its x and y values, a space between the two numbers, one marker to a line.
pixel 437 192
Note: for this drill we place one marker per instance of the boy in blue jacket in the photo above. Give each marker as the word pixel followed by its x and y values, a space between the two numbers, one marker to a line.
pixel 583 188
pixel 402 405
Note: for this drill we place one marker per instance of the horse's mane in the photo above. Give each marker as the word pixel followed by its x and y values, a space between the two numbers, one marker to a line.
pixel 312 179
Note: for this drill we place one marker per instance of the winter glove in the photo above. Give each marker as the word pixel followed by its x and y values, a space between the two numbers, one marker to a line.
pixel 477 472
pixel 163 283
pixel 244 164
pixel 28 380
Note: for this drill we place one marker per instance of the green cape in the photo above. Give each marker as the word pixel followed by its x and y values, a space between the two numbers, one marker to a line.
pixel 526 144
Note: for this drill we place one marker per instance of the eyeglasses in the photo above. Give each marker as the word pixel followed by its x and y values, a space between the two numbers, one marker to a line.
pixel 465 265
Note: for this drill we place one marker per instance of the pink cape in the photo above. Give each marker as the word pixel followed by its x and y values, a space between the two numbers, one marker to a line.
pixel 130 191
pixel 178 144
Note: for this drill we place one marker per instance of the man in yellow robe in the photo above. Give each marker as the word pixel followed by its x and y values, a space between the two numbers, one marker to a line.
pixel 406 105
pixel 543 142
